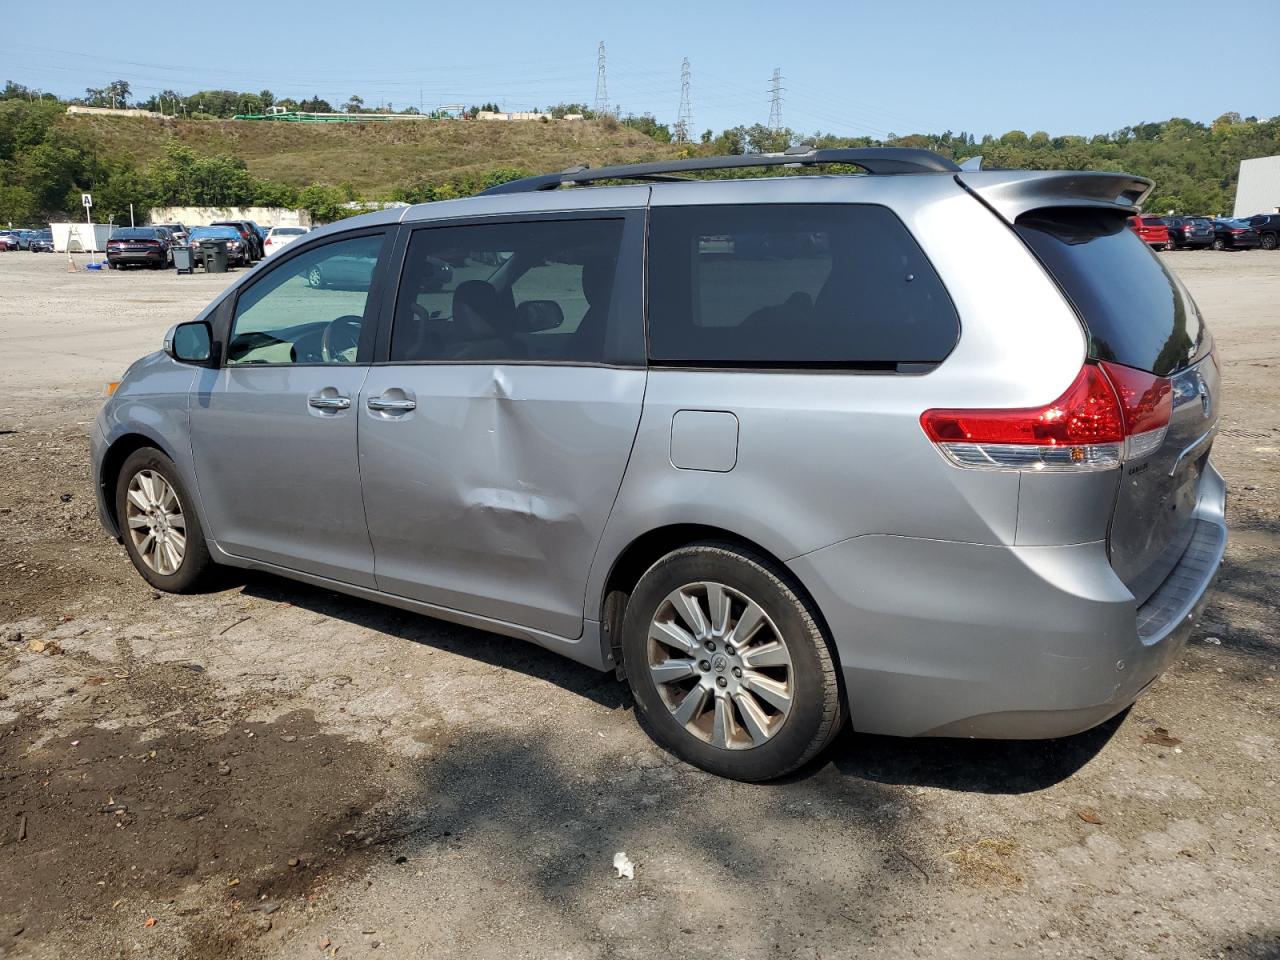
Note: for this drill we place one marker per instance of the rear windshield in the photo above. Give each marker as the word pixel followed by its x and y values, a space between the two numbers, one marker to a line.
pixel 134 233
pixel 288 231
pixel 1136 312
pixel 789 285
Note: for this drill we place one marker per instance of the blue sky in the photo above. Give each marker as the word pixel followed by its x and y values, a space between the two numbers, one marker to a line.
pixel 851 68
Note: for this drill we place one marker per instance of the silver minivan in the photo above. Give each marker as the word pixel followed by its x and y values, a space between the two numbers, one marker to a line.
pixel 925 448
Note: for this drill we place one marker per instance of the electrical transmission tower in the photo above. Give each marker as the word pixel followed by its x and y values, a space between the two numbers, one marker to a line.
pixel 602 84
pixel 684 119
pixel 775 105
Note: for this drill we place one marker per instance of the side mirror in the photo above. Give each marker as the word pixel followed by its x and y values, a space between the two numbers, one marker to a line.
pixel 534 316
pixel 189 342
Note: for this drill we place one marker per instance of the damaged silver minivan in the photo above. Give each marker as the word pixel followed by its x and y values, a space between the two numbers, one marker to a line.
pixel 926 449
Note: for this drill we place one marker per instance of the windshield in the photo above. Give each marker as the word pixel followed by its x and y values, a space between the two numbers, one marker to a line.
pixel 288 231
pixel 133 233
pixel 215 233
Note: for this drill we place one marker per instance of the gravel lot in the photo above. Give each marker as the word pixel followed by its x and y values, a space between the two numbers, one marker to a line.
pixel 275 771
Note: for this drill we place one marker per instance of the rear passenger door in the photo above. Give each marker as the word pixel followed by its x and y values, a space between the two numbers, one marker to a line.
pixel 497 423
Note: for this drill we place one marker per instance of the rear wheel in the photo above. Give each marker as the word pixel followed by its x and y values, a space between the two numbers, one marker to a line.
pixel 161 531
pixel 728 664
pixel 1269 241
pixel 1219 244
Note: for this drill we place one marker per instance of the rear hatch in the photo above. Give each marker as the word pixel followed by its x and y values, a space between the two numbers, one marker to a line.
pixel 1139 315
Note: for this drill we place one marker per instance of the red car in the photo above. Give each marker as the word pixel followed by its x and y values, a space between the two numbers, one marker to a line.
pixel 1152 230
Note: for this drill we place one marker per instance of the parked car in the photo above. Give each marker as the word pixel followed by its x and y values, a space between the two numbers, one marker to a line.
pixel 249 236
pixel 1231 234
pixel 41 242
pixel 260 230
pixel 177 231
pixel 149 246
pixel 237 248
pixel 1268 227
pixel 280 237
pixel 1152 230
pixel 16 239
pixel 1192 233
pixel 781 451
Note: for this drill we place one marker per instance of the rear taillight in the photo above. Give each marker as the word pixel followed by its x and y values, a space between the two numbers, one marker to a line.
pixel 1108 415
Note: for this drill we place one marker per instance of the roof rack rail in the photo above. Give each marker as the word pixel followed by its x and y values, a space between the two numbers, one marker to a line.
pixel 874 160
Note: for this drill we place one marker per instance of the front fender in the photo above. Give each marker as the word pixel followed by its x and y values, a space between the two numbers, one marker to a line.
pixel 150 408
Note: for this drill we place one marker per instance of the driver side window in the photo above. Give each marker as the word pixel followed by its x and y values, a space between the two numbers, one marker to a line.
pixel 309 309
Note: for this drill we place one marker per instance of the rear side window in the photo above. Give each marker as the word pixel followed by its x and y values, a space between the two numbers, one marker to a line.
pixel 509 292
pixel 1136 312
pixel 791 285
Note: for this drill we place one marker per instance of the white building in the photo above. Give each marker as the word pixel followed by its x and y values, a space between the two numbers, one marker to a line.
pixel 1258 190
pixel 80 237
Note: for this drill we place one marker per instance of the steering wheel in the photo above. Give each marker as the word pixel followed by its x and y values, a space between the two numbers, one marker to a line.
pixel 340 336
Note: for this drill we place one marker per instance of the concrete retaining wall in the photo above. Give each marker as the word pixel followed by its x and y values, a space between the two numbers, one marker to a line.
pixel 201 216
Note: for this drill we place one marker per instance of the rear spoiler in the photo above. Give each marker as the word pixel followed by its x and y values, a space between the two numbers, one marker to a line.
pixel 1011 193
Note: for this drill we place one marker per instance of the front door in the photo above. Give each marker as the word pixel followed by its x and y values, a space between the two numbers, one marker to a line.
pixel 274 429
pixel 494 439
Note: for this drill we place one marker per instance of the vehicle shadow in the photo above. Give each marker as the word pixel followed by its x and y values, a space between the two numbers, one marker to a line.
pixel 974 766
pixel 488 648
pixel 969 766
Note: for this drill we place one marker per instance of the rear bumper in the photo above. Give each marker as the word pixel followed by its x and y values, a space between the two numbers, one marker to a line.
pixel 938 638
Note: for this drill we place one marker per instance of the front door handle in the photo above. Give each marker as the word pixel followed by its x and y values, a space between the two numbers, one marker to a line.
pixel 393 406
pixel 329 403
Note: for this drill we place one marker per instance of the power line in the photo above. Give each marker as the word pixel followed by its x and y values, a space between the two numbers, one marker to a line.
pixel 775 105
pixel 602 83
pixel 684 117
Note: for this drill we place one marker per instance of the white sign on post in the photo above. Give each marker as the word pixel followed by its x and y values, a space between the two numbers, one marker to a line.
pixel 86 199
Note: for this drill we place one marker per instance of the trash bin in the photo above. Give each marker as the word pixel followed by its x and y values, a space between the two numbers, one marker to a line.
pixel 214 253
pixel 183 260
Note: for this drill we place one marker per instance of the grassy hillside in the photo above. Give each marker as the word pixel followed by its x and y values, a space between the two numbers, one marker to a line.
pixel 375 158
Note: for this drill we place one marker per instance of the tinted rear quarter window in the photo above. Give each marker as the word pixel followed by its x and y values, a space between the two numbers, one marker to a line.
pixel 1136 311
pixel 793 285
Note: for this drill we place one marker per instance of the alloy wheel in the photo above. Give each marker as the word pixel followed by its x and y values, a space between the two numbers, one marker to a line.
pixel 155 522
pixel 721 665
pixel 314 277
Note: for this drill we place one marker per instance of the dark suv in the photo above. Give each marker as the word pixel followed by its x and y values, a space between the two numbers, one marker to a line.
pixel 1189 233
pixel 252 242
pixel 1268 227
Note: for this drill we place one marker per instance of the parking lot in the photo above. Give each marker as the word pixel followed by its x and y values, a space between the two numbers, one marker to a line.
pixel 271 770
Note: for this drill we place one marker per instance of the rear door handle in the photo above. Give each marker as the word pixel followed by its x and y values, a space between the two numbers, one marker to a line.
pixel 330 403
pixel 394 406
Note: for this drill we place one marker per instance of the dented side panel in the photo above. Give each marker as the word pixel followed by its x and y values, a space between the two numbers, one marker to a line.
pixel 490 497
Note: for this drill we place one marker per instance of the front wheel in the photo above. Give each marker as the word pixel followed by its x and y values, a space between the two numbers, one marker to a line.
pixel 728 665
pixel 161 531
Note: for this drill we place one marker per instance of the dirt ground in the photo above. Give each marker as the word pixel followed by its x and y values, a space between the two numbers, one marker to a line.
pixel 273 771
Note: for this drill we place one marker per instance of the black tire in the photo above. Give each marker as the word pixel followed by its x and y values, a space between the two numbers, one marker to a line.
pixel 1269 241
pixel 817 706
pixel 196 566
pixel 1219 244
pixel 1172 244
